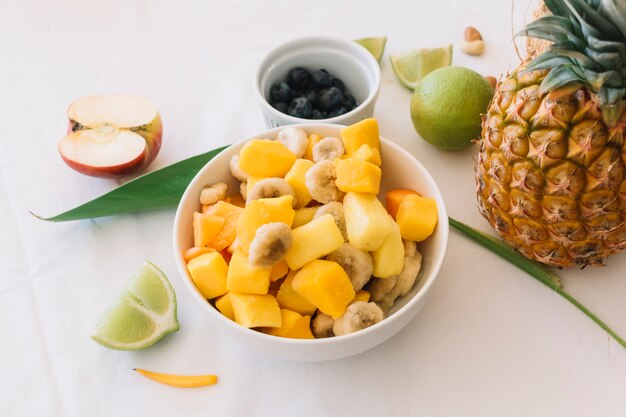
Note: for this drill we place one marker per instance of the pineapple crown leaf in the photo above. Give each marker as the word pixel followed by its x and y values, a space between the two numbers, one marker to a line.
pixel 588 47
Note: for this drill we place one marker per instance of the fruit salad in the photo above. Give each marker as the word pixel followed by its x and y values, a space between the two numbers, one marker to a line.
pixel 304 248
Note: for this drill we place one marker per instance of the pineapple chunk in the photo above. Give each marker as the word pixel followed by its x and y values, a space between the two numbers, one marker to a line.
pixel 265 158
pixel 367 221
pixel 326 285
pixel 295 178
pixel 368 154
pixel 260 212
pixel 389 257
pixel 195 251
pixel 358 176
pixel 361 295
pixel 252 310
pixel 205 228
pixel 294 326
pixel 417 217
pixel 208 271
pixel 225 307
pixel 288 298
pixel 314 240
pixel 228 233
pixel 245 278
pixel 303 216
pixel 363 132
pixel 279 270
pixel 313 139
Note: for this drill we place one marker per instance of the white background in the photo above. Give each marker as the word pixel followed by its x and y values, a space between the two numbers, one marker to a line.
pixel 491 341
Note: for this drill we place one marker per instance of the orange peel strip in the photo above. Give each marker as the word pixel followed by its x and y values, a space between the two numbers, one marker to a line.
pixel 181 381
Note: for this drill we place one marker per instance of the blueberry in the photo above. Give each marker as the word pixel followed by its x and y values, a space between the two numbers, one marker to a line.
pixel 321 79
pixel 339 84
pixel 317 115
pixel 310 95
pixel 338 111
pixel 279 92
pixel 330 98
pixel 294 94
pixel 281 106
pixel 300 107
pixel 348 102
pixel 298 78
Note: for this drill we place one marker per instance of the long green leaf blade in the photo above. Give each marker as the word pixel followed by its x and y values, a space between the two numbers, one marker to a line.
pixel 158 189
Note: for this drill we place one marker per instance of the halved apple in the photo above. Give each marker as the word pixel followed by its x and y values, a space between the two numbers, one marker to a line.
pixel 111 135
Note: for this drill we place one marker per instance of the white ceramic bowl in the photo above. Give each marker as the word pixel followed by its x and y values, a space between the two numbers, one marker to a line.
pixel 345 59
pixel 400 170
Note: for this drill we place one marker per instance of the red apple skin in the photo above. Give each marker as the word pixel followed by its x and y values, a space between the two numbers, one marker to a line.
pixel 152 134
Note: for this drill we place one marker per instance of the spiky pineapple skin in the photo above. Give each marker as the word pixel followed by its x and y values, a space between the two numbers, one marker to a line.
pixel 550 173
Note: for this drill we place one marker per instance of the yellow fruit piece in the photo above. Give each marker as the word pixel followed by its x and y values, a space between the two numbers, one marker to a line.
pixel 294 326
pixel 289 318
pixel 180 381
pixel 237 200
pixel 295 178
pixel 417 217
pixel 367 221
pixel 208 271
pixel 227 234
pixel 279 270
pixel 288 298
pixel 265 158
pixel 368 154
pixel 225 307
pixel 325 285
pixel 361 295
pixel 205 228
pixel 245 278
pixel 363 132
pixel 260 212
pixel 389 257
pixel 303 216
pixel 195 251
pixel 313 139
pixel 253 310
pixel 314 240
pixel 357 176
pixel 252 180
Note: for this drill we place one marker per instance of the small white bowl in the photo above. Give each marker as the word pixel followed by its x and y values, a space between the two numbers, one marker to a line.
pixel 400 170
pixel 344 59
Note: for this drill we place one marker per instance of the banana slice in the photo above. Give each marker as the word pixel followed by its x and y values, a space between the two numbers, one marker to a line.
pixel 358 264
pixel 329 148
pixel 322 325
pixel 296 140
pixel 237 172
pixel 335 209
pixel 243 190
pixel 213 193
pixel 269 245
pixel 271 188
pixel 359 315
pixel 320 181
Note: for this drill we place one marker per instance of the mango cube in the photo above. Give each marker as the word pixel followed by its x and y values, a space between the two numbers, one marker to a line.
pixel 325 285
pixel 294 326
pixel 363 132
pixel 252 310
pixel 314 240
pixel 228 232
pixel 394 198
pixel 362 295
pixel 368 154
pixel 247 279
pixel 417 217
pixel 367 221
pixel 288 298
pixel 195 251
pixel 389 257
pixel 295 178
pixel 357 176
pixel 260 212
pixel 205 228
pixel 313 139
pixel 279 270
pixel 265 158
pixel 225 307
pixel 208 271
pixel 303 216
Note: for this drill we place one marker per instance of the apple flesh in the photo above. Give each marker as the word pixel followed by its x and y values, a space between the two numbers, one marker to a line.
pixel 111 135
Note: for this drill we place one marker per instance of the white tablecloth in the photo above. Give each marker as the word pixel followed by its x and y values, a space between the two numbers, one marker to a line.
pixel 491 341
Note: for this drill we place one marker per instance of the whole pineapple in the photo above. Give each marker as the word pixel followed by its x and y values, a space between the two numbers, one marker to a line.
pixel 551 165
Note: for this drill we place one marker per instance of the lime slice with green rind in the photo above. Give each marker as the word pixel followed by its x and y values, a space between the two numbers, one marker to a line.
pixel 376 46
pixel 411 66
pixel 141 315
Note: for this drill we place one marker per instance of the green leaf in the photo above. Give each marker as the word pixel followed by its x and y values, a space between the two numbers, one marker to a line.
pixel 560 77
pixel 158 189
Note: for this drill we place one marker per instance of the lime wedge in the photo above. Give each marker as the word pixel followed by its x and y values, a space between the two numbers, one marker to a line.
pixel 411 66
pixel 376 46
pixel 141 315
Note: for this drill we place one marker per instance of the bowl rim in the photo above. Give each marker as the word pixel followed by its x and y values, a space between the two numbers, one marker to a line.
pixel 423 291
pixel 362 53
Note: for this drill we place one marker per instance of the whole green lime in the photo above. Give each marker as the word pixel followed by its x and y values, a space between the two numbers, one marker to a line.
pixel 447 104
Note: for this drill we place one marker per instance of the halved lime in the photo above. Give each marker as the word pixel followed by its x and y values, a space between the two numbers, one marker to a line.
pixel 376 46
pixel 141 315
pixel 411 66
